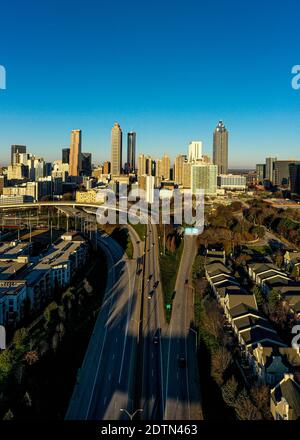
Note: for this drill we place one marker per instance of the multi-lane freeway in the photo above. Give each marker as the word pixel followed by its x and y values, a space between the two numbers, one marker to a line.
pixel 183 399
pixel 105 384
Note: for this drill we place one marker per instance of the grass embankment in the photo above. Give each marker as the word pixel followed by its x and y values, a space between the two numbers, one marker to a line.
pixel 140 229
pixel 169 265
pixel 38 371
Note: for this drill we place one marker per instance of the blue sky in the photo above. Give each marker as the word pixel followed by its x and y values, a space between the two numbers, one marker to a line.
pixel 167 69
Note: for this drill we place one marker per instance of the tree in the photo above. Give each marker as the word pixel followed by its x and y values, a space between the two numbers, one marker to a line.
pixel 27 399
pixel 220 361
pixel 273 299
pixel 31 357
pixel 8 415
pixel 20 339
pixel 50 312
pixel 259 296
pixel 261 399
pixel 229 391
pixel 6 364
pixel 244 408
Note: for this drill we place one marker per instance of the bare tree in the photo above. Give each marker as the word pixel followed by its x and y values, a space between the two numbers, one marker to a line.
pixel 220 361
pixel 244 408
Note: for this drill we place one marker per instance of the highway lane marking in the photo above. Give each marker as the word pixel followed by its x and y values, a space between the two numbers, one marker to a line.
pixel 186 356
pixel 159 326
pixel 130 298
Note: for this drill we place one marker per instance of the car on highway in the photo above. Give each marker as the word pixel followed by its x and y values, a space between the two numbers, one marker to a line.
pixel 182 362
pixel 150 294
pixel 155 284
pixel 155 339
pixel 186 281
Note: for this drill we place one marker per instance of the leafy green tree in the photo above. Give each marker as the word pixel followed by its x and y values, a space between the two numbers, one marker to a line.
pixel 50 312
pixel 6 364
pixel 20 339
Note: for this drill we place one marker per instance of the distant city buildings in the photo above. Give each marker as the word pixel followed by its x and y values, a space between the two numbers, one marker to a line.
pixel 178 168
pixel 204 176
pixel 14 150
pixel 232 182
pixel 195 151
pixel 116 150
pixel 65 155
pixel 270 169
pixel 220 148
pixel 260 172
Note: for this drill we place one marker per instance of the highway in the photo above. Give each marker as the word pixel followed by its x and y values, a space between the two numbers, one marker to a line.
pixel 183 398
pixel 152 394
pixel 107 376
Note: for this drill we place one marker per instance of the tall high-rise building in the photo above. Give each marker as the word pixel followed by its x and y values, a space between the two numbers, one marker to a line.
pixel 178 168
pixel 260 172
pixel 220 148
pixel 204 176
pixel 165 167
pixel 150 166
pixel 186 174
pixel 131 148
pixel 106 167
pixel 142 165
pixel 270 169
pixel 282 173
pixel 65 155
pixel 116 150
pixel 16 149
pixel 75 153
pixel 195 151
pixel 86 164
pixel 2 182
pixel 294 172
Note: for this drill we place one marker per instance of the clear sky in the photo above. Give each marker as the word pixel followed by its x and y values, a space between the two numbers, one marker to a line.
pixel 167 69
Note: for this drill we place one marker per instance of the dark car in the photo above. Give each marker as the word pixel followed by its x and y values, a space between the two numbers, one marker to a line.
pixel 150 294
pixel 155 284
pixel 155 339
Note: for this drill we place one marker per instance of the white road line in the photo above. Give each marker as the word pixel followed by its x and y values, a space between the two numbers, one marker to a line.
pixel 186 356
pixel 130 297
pixel 158 320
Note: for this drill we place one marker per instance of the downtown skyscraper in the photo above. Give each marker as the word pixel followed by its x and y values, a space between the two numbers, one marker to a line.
pixel 131 148
pixel 220 148
pixel 116 150
pixel 75 153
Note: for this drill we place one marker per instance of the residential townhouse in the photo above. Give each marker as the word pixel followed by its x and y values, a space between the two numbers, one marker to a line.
pixel 285 399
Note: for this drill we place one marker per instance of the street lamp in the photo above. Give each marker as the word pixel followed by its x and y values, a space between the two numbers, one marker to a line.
pixel 131 416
